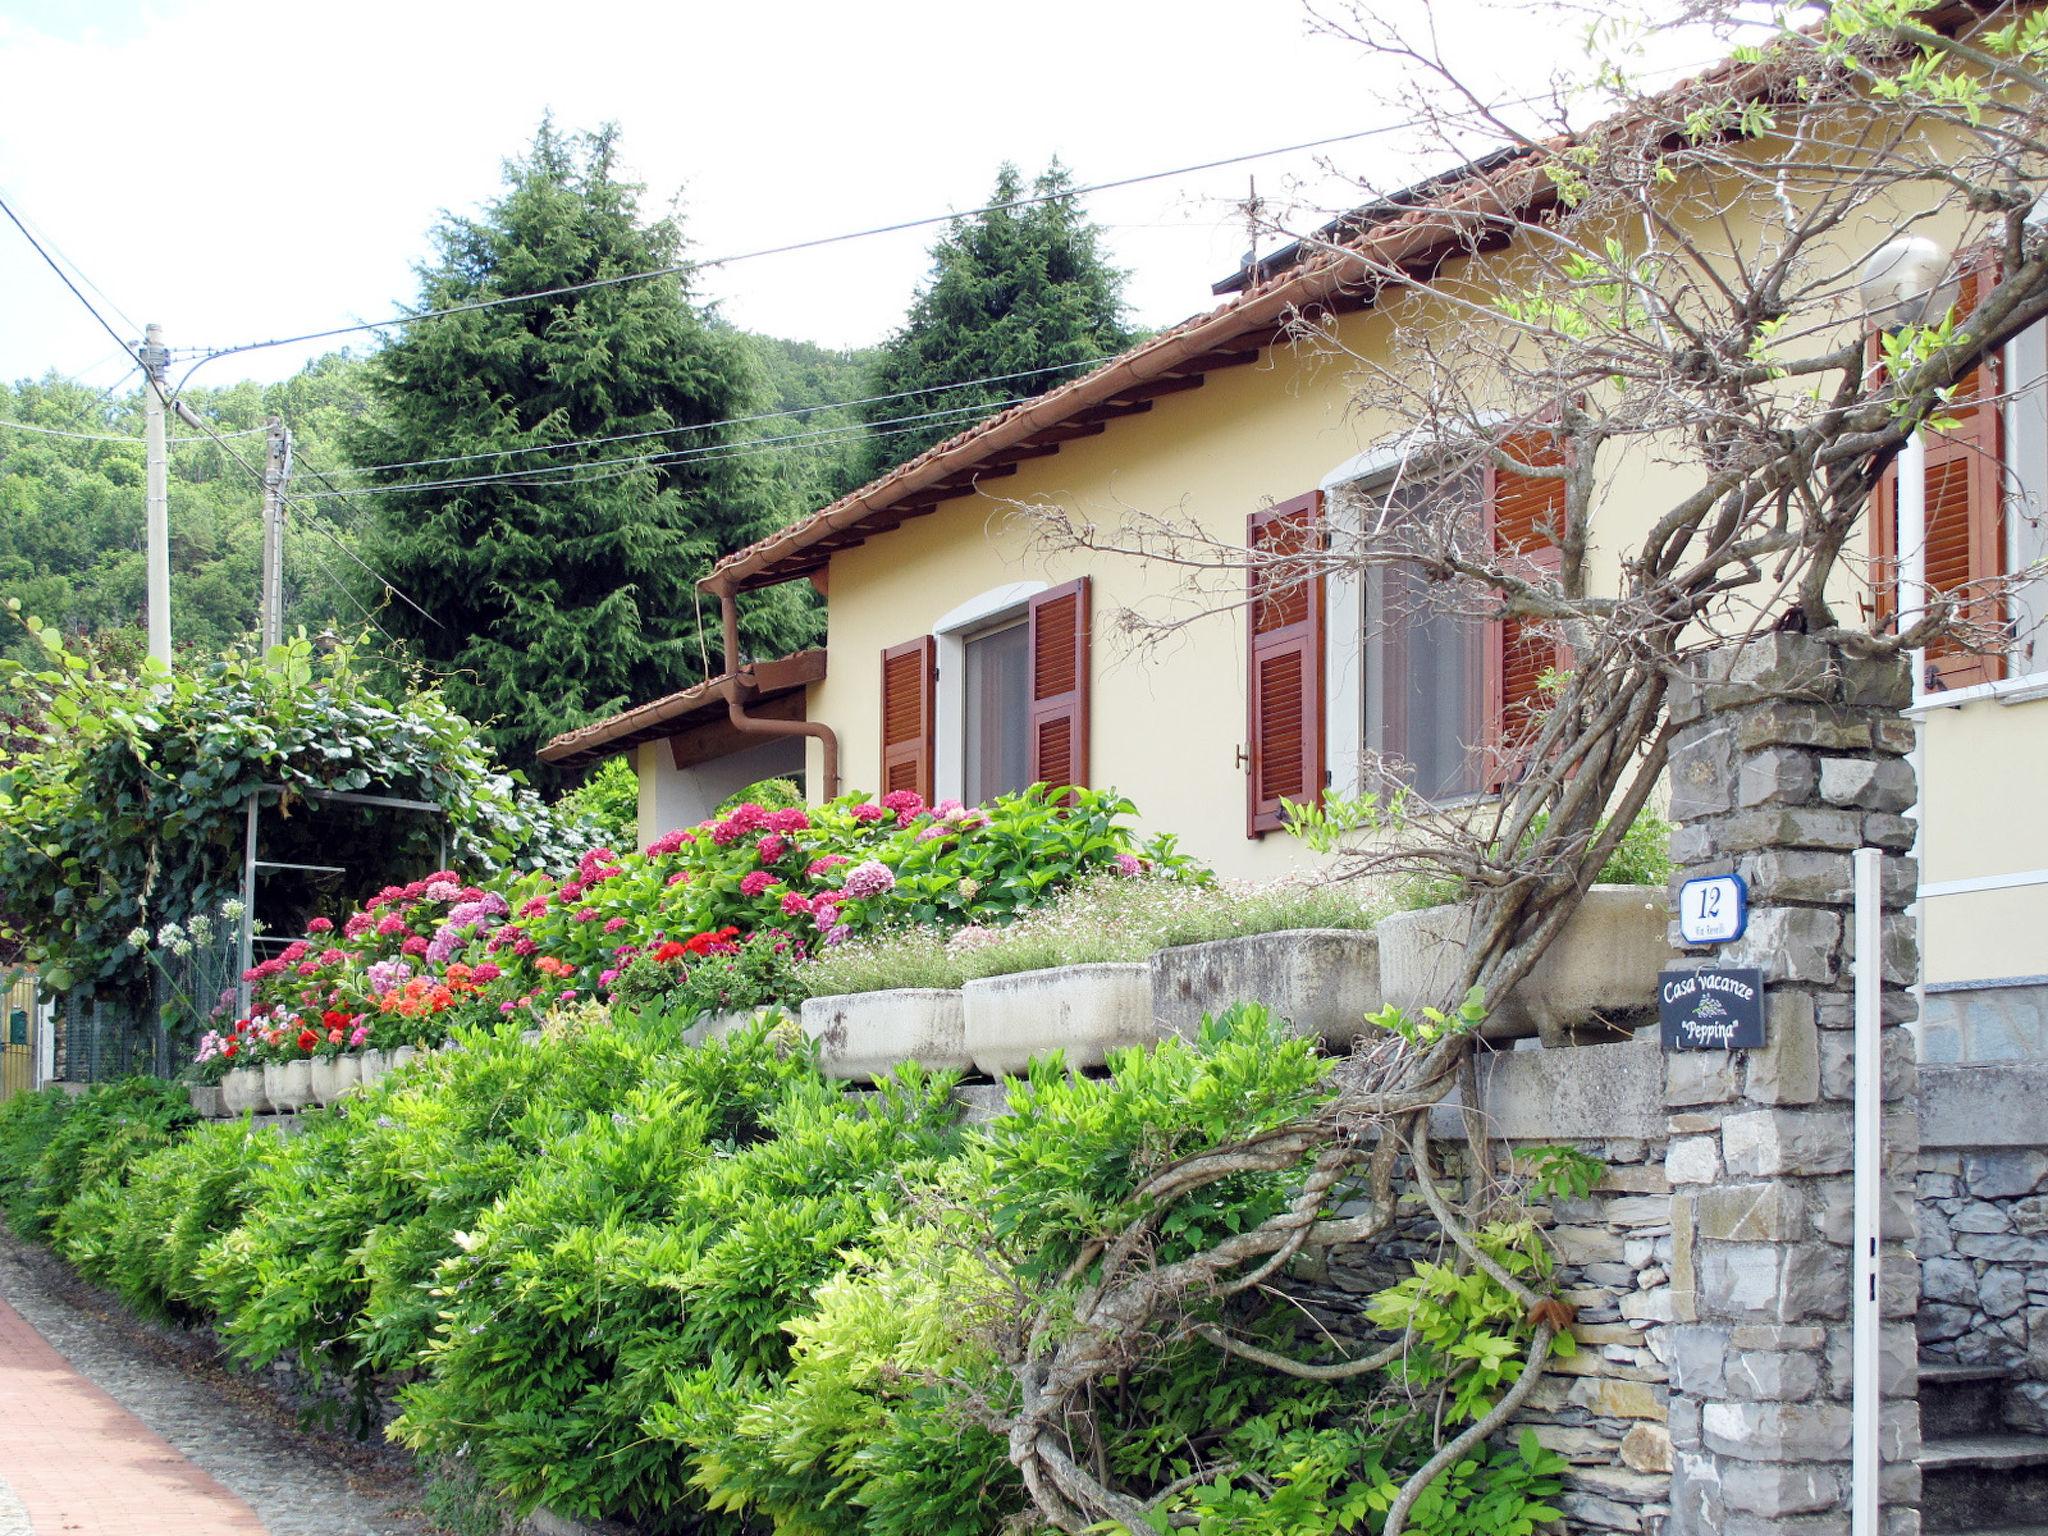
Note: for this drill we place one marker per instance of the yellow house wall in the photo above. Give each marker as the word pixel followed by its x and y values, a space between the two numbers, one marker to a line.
pixel 1168 721
pixel 1985 816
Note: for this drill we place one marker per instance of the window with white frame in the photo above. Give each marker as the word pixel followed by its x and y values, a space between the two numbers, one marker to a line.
pixel 1422 656
pixel 996 709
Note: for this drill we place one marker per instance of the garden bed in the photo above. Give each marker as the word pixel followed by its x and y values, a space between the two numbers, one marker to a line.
pixel 1596 981
pixel 1324 981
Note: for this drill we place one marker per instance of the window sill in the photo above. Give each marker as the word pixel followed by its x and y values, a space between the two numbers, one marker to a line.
pixel 2008 690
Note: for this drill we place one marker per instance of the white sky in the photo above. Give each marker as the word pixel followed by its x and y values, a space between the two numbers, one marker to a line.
pixel 240 169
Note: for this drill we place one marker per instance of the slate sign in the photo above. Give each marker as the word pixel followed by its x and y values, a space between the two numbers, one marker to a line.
pixel 1711 1008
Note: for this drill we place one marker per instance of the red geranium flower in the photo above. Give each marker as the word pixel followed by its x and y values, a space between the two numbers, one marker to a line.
pixel 308 1040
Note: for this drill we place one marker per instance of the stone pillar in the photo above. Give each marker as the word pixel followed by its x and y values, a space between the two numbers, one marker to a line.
pixel 1789 756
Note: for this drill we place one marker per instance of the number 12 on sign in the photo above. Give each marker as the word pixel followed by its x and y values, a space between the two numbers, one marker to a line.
pixel 1713 909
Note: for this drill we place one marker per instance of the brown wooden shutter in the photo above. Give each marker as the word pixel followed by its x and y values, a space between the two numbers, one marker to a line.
pixel 909 673
pixel 1524 516
pixel 1965 508
pixel 1059 629
pixel 1285 619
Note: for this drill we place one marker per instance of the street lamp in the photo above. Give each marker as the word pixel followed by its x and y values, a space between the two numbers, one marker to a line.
pixel 1907 282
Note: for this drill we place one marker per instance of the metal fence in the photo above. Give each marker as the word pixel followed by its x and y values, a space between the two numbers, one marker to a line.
pixel 20 1032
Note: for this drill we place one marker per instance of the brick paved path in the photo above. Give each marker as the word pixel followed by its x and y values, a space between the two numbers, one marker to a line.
pixel 95 1405
pixel 77 1461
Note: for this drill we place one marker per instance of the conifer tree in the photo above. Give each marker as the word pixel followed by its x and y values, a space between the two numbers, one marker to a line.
pixel 560 582
pixel 1009 291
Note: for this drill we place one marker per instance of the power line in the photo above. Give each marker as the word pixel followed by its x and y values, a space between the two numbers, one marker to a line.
pixel 375 575
pixel 730 421
pixel 64 277
pixel 86 278
pixel 86 437
pixel 670 456
pixel 793 246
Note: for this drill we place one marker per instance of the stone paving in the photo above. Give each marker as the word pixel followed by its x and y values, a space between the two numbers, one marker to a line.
pixel 105 1430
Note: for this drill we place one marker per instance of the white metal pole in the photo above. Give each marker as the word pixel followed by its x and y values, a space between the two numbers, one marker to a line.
pixel 1866 1390
pixel 1912 582
pixel 156 493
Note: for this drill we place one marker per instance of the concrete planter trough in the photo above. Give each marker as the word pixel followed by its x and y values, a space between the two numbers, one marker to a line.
pixel 400 1056
pixel 241 1091
pixel 865 1035
pixel 206 1100
pixel 370 1068
pixel 288 1085
pixel 333 1076
pixel 1322 980
pixel 1086 1011
pixel 714 1026
pixel 1602 969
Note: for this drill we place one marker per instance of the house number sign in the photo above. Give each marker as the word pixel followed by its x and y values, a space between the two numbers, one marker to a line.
pixel 1713 1008
pixel 1713 909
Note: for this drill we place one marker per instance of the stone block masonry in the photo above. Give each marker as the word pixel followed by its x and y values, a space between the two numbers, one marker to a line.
pixel 1983 1208
pixel 1789 756
pixel 1604 1408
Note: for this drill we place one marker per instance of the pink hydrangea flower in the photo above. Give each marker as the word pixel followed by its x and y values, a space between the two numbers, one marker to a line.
pixel 934 832
pixel 484 974
pixel 441 890
pixel 309 968
pixel 755 882
pixel 533 906
pixel 867 815
pixel 680 877
pixel 320 925
pixel 869 879
pixel 413 946
pixel 295 951
pixel 390 924
pixel 606 978
pixel 332 956
pixel 794 819
pixel 358 925
pixel 585 915
pixel 771 848
pixel 1129 864
pixel 524 947
pixel 794 904
pixel 614 924
pixel 829 861
pixel 824 913
pixel 838 933
pixel 667 843
pixel 901 800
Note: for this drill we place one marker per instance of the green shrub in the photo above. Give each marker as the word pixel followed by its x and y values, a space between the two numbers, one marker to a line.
pixel 144 1237
pixel 648 1260
pixel 707 1290
pixel 57 1145
pixel 349 1221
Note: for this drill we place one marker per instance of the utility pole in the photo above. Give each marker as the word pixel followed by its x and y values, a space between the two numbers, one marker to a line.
pixel 155 359
pixel 277 468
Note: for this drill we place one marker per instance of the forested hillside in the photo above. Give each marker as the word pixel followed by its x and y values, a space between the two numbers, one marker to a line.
pixel 71 508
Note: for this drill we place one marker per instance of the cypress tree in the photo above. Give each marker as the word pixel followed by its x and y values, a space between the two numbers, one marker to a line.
pixel 562 590
pixel 1010 290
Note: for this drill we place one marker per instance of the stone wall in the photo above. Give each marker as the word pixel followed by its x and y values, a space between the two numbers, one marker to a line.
pixel 1983 1208
pixel 1604 1408
pixel 1788 758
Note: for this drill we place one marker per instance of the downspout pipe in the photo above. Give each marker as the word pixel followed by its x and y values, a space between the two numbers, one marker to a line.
pixel 736 699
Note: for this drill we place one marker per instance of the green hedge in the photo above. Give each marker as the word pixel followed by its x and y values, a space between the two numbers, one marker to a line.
pixel 708 1290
